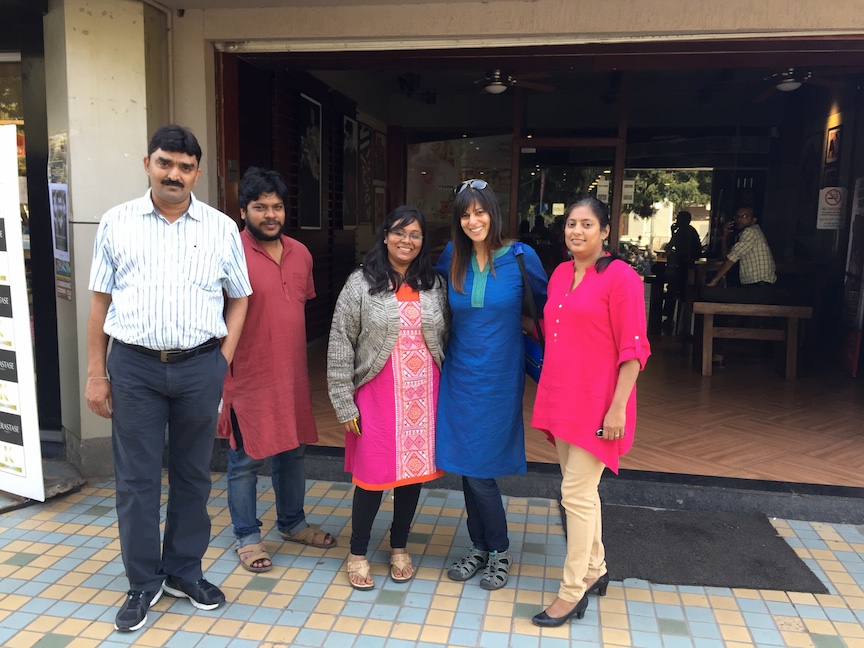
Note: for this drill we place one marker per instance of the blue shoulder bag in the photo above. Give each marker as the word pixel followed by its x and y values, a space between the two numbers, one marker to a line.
pixel 533 346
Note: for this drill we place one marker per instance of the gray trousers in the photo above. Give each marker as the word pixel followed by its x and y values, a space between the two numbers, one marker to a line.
pixel 149 395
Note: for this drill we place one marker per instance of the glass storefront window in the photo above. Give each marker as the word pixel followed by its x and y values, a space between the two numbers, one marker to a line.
pixel 436 167
pixel 550 178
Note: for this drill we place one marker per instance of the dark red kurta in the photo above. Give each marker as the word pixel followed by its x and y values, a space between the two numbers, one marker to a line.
pixel 268 382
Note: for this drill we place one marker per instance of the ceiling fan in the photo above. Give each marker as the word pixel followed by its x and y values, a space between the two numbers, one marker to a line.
pixel 496 82
pixel 791 79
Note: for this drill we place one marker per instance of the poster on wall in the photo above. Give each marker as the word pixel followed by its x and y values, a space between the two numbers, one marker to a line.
pixel 57 145
pixel 350 164
pixel 58 194
pixel 366 195
pixel 832 208
pixel 309 174
pixel 20 450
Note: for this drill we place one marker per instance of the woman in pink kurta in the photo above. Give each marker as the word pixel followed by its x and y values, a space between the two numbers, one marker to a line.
pixel 586 400
pixel 384 360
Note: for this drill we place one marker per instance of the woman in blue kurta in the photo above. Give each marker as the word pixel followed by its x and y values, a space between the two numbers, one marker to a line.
pixel 480 431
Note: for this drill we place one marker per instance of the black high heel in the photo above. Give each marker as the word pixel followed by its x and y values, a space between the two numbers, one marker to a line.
pixel 600 585
pixel 545 621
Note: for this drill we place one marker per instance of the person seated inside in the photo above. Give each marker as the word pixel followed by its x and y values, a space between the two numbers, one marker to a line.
pixel 757 271
pixel 682 250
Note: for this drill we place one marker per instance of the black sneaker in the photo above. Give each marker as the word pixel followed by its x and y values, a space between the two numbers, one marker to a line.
pixel 133 614
pixel 201 593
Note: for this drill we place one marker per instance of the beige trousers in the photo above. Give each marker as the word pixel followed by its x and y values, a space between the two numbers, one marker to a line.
pixel 586 557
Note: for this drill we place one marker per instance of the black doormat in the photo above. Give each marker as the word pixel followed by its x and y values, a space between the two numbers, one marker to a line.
pixel 704 548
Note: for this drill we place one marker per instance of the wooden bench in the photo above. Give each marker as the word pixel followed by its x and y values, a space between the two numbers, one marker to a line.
pixel 790 334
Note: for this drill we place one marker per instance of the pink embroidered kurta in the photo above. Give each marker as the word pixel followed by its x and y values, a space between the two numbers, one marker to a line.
pixel 397 411
pixel 590 331
pixel 267 384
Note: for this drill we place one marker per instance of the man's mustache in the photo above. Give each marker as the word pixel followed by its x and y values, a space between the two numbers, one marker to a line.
pixel 173 183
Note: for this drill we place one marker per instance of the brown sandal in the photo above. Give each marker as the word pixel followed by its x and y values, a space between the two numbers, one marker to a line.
pixel 361 568
pixel 257 552
pixel 400 561
pixel 311 537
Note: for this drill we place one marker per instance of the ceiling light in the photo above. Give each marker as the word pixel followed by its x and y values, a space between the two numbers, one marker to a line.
pixel 495 87
pixel 788 85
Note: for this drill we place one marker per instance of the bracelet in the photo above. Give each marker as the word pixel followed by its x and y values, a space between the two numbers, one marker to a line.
pixel 98 378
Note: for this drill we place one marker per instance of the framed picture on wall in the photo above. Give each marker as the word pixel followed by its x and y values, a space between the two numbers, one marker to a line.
pixel 832 146
pixel 379 208
pixel 309 170
pixel 379 157
pixel 366 196
pixel 350 166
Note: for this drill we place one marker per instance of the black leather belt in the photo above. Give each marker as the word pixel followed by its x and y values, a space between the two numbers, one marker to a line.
pixel 174 355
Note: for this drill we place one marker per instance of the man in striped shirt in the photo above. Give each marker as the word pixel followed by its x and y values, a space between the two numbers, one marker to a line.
pixel 163 266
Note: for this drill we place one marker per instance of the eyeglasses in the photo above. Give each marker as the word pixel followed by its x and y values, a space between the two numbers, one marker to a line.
pixel 399 234
pixel 474 184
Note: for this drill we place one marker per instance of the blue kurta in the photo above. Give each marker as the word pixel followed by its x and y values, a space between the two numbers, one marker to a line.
pixel 480 429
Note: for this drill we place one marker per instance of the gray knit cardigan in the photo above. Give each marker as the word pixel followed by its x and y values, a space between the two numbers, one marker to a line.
pixel 364 332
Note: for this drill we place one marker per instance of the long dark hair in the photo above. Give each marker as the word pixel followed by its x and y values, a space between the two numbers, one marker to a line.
pixel 601 212
pixel 380 274
pixel 462 245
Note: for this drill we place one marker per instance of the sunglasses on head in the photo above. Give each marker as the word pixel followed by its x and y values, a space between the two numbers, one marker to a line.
pixel 474 184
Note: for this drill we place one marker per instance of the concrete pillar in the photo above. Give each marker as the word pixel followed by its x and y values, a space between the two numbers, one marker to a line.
pixel 95 75
pixel 194 95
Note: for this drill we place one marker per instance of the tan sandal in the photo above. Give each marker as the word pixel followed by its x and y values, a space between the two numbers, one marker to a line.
pixel 361 568
pixel 257 552
pixel 312 537
pixel 400 561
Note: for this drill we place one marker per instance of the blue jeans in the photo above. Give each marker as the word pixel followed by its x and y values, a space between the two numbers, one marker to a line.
pixel 487 522
pixel 289 487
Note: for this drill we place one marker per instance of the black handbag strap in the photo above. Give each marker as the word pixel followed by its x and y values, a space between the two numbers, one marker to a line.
pixel 529 295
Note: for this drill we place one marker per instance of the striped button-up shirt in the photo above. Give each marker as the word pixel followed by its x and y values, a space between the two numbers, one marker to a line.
pixel 166 280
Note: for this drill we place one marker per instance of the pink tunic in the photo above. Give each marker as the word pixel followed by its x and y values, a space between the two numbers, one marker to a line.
pixel 589 333
pixel 268 381
pixel 397 411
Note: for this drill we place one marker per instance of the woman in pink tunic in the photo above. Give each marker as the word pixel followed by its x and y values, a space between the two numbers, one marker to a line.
pixel 586 400
pixel 383 366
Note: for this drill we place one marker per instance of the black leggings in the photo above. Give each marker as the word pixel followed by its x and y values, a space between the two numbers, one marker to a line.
pixel 366 504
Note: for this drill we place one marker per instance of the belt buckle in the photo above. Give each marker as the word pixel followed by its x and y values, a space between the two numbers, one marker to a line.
pixel 164 356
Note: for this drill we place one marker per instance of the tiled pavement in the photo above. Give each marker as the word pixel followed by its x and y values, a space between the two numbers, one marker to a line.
pixel 61 582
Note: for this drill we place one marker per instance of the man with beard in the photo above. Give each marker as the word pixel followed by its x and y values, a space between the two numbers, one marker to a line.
pixel 162 266
pixel 267 402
